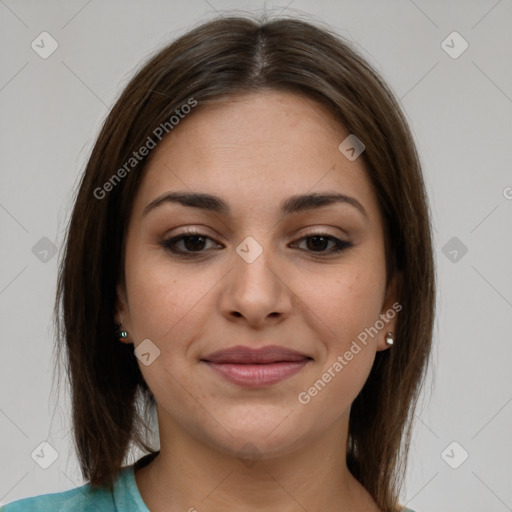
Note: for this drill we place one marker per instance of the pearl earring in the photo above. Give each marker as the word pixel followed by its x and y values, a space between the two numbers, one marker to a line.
pixel 389 339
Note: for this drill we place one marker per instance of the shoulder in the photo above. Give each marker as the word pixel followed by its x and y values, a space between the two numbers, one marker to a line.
pixel 81 499
pixel 125 497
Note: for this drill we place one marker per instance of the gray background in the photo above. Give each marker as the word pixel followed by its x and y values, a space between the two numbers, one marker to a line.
pixel 459 110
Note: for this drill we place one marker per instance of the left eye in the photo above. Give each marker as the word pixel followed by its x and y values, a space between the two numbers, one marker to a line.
pixel 194 243
pixel 321 240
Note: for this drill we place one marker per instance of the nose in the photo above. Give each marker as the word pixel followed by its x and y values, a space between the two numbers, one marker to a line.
pixel 257 291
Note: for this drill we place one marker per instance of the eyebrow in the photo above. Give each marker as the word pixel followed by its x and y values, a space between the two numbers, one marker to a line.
pixel 293 204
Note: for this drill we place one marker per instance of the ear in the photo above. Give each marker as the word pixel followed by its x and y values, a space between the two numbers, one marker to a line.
pixel 121 308
pixel 390 310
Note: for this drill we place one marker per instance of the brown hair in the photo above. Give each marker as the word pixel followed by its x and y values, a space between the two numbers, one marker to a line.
pixel 219 58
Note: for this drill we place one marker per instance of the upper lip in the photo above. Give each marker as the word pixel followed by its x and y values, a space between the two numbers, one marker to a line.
pixel 247 355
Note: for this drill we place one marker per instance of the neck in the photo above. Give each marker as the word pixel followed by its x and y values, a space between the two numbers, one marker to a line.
pixel 189 475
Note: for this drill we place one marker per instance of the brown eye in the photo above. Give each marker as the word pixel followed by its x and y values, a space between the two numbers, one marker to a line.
pixel 318 243
pixel 195 244
pixel 192 243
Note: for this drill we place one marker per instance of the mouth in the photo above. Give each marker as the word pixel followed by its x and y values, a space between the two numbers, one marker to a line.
pixel 249 367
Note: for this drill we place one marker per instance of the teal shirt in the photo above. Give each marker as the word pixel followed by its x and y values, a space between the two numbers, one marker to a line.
pixel 124 498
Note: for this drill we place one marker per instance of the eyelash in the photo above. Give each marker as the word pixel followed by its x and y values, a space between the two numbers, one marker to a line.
pixel 340 245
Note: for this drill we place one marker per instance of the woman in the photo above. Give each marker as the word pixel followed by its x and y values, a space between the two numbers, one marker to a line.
pixel 249 256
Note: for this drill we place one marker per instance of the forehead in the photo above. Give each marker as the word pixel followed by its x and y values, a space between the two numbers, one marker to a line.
pixel 254 150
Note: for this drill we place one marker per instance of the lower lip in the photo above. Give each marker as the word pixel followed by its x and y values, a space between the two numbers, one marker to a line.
pixel 256 375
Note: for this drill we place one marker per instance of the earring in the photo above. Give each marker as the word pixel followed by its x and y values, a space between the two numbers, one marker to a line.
pixel 122 335
pixel 389 339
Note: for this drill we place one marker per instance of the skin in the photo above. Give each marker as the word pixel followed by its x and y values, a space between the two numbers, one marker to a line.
pixel 254 151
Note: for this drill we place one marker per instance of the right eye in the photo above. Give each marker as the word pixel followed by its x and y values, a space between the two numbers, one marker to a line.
pixel 193 243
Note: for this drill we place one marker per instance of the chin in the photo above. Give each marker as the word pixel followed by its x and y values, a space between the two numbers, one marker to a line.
pixel 260 433
pixel 254 446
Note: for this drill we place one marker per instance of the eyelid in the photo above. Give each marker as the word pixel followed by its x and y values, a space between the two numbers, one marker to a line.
pixel 321 231
pixel 340 245
pixel 195 231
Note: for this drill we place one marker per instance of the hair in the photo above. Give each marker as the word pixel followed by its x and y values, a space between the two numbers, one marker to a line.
pixel 212 62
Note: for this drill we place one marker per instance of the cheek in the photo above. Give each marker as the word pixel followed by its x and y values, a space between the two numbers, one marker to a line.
pixel 160 309
pixel 168 300
pixel 345 302
pixel 167 306
pixel 345 306
pixel 156 292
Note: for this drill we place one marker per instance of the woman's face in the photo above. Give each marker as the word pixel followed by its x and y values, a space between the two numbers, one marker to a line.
pixel 262 270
